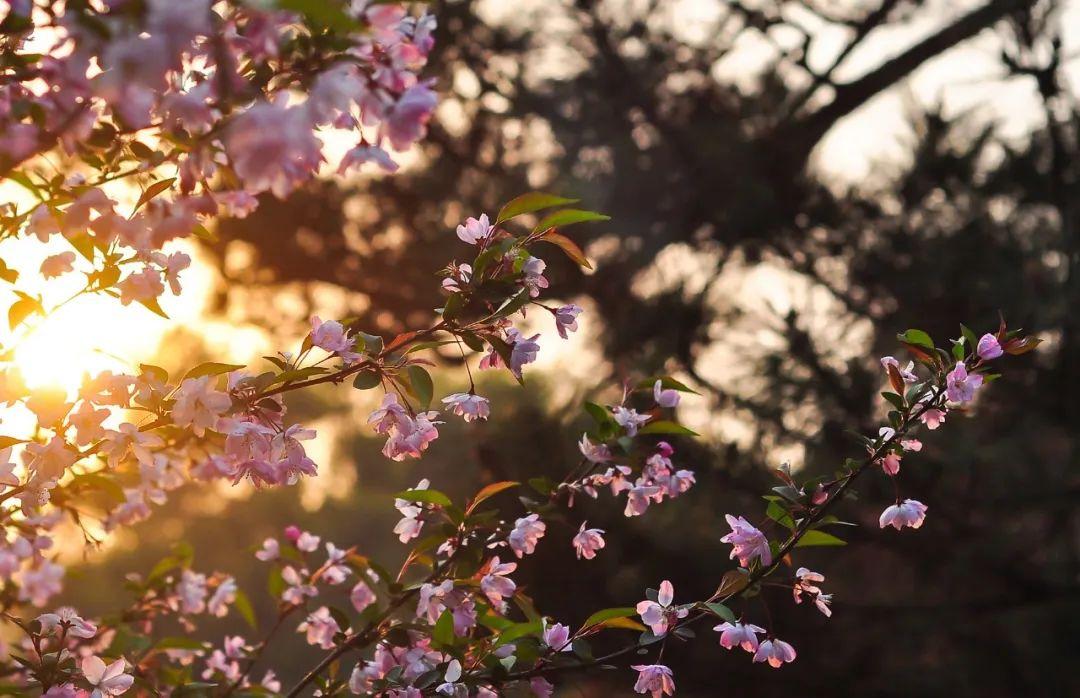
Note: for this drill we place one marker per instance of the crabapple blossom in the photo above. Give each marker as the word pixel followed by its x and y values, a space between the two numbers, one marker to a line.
pixel 806 582
pixel 330 336
pixel 107 680
pixel 665 397
pixel 588 541
pixel 961 384
pixel 361 596
pixel 475 230
pixel 533 279
pixel 659 614
pixel 526 533
pixel 67 619
pixel 566 319
pixel 907 373
pixel 523 350
pixel 775 652
pixel 891 463
pixel 320 627
pixel 906 513
pixel 199 405
pixel 594 452
pixel 747 541
pixel 655 679
pixel 932 418
pixel 496 583
pixel 297 588
pixel 989 348
pixel 270 550
pixel 557 637
pixel 739 634
pixel 629 419
pixel 468 406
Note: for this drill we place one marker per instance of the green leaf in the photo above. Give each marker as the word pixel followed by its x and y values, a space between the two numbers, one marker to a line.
pixel 423 389
pixel 568 246
pixel 242 604
pixel 780 515
pixel 425 496
pixel 568 216
pixel 366 380
pixel 917 338
pixel 512 305
pixel 530 203
pixel 211 368
pixel 667 383
pixel 818 538
pixel 321 13
pixel 664 426
pixel 608 614
pixel 153 190
pixel 443 634
pixel 894 399
pixel 490 491
pixel 969 336
pixel 721 611
pixel 179 643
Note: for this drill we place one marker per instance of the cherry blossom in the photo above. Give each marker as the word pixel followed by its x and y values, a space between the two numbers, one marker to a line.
pixel 665 397
pixel 66 619
pixel 629 419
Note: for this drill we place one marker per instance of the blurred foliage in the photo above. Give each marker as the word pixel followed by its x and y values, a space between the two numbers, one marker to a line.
pixel 981 601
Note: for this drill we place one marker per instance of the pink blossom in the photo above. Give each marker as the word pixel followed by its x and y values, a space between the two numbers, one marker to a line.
pixel 907 513
pixel 57 264
pixel 659 614
pixel 307 542
pixel 39 584
pixel 588 541
pixel 629 419
pixel 739 635
pixel 363 154
pixel 594 453
pixel 68 619
pixel 960 385
pixel 523 350
pixel 270 550
pixel 297 589
pixel 87 423
pixel 106 680
pixel 330 336
pixel 533 275
pixel 891 463
pixel 557 637
pixel 566 319
pixel 907 373
pixel 496 584
pixel 361 596
pixel 198 404
pixel 141 286
pixel 747 541
pixel 656 679
pixel 665 397
pixel 775 652
pixel 409 527
pixel 638 498
pixel 913 445
pixel 432 599
pixel 225 594
pixel 468 406
pixel 406 121
pixel 527 531
pixel 320 627
pixel 989 348
pixel 806 582
pixel 272 148
pixel 932 418
pixel 475 230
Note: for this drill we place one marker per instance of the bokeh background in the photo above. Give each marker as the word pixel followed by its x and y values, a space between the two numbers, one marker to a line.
pixel 790 185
